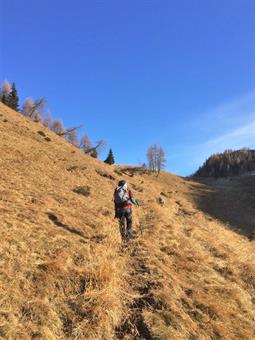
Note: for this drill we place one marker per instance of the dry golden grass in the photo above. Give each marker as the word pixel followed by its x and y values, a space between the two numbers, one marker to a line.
pixel 64 274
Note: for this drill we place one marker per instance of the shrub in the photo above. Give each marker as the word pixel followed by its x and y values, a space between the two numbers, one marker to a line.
pixel 41 133
pixel 82 190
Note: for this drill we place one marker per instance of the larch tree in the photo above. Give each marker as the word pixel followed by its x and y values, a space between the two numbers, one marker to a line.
pixel 85 143
pixel 152 157
pixel 88 148
pixel 161 160
pixel 5 88
pixel 57 126
pixel 72 137
pixel 156 158
pixel 33 109
pixel 36 111
pixel 46 121
pixel 27 106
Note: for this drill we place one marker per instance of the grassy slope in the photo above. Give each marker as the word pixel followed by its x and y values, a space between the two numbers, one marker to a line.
pixel 64 275
pixel 231 200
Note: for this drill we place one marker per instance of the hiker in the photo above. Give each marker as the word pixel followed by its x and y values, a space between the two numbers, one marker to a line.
pixel 123 201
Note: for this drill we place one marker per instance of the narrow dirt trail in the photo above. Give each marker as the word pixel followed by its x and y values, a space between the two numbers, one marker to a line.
pixel 142 284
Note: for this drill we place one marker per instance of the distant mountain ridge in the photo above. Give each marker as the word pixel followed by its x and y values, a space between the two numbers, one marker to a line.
pixel 227 164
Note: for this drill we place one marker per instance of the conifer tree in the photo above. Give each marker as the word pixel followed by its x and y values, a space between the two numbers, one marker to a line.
pixel 4 99
pixel 110 158
pixel 13 99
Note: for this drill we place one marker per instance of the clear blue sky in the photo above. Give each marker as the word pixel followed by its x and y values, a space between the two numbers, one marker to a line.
pixel 180 73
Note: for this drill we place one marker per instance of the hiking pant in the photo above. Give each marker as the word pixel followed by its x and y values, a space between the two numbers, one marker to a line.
pixel 125 224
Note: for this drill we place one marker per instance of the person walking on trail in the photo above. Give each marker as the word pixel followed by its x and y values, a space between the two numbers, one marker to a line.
pixel 123 200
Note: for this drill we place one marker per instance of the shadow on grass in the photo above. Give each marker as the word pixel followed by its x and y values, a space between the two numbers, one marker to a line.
pixel 58 223
pixel 231 201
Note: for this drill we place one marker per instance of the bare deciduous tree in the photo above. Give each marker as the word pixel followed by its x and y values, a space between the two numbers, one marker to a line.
pixel 36 109
pixel 72 138
pixel 85 143
pixel 152 157
pixel 27 106
pixel 88 148
pixel 33 109
pixel 100 144
pixel 161 160
pixel 5 88
pixel 57 126
pixel 156 158
pixel 47 119
pixel 37 117
pixel 69 130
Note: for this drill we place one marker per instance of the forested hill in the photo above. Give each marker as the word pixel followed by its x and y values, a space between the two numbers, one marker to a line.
pixel 229 163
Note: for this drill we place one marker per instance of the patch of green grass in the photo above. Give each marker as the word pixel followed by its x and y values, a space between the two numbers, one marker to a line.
pixel 118 172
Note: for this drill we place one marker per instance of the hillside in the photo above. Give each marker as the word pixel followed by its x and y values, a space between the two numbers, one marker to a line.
pixel 232 200
pixel 64 273
pixel 227 164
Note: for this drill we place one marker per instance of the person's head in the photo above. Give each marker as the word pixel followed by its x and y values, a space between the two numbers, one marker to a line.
pixel 123 184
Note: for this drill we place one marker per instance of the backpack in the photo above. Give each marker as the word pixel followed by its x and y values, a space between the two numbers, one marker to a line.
pixel 120 196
